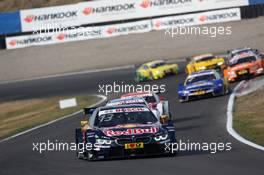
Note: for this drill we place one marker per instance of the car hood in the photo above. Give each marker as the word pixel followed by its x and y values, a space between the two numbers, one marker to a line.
pixel 128 130
pixel 199 85
pixel 242 66
pixel 209 62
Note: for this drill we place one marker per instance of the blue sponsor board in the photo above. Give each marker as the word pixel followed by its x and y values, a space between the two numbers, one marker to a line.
pixel 254 2
pixel 10 23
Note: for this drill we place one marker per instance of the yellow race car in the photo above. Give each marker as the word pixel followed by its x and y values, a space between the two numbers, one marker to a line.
pixel 154 70
pixel 205 62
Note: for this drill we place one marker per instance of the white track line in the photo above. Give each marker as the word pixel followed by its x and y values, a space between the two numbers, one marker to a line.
pixel 103 98
pixel 70 74
pixel 229 124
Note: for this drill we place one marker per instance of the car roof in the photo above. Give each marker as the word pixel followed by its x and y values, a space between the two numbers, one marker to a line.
pixel 198 57
pixel 128 99
pixel 122 106
pixel 244 54
pixel 153 62
pixel 240 50
pixel 134 94
pixel 200 73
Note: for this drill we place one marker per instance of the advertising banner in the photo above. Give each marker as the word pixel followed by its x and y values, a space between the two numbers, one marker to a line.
pixel 50 17
pixel 197 19
pixel 106 11
pixel 53 38
pixel 126 28
pixel 85 33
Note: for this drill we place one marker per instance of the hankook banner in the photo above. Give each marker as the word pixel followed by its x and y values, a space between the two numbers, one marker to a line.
pixel 115 10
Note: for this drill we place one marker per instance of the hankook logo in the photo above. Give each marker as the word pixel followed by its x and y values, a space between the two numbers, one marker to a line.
pixel 154 3
pixel 109 9
pixel 51 16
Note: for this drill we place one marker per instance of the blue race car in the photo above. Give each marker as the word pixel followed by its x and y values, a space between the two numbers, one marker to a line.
pixel 123 131
pixel 203 84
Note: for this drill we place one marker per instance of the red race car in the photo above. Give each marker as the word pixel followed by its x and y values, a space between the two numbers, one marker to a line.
pixel 244 65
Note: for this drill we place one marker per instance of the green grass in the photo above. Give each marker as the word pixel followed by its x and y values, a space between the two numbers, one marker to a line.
pixel 249 116
pixel 17 116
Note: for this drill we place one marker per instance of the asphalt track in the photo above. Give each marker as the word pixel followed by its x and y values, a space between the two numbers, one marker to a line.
pixel 198 121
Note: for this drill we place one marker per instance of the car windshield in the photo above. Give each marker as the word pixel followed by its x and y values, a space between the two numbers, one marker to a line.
pixel 243 60
pixel 150 99
pixel 194 79
pixel 157 64
pixel 239 52
pixel 114 119
pixel 205 59
pixel 113 103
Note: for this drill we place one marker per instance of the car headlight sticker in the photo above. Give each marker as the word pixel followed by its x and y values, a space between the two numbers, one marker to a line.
pixel 103 141
pixel 220 63
pixel 161 137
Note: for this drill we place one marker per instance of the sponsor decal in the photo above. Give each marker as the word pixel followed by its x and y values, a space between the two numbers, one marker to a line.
pixel 109 9
pixel 87 10
pixel 136 131
pixel 138 95
pixel 157 24
pixel 12 43
pixel 218 17
pixel 50 16
pixel 134 27
pixel 174 22
pixel 30 41
pixel 122 110
pixel 61 36
pixel 163 3
pixel 76 35
pixel 126 102
pixel 111 30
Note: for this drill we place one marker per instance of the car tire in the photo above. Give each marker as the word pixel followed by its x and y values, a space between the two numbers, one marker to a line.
pixel 90 157
pixel 182 101
pixel 78 155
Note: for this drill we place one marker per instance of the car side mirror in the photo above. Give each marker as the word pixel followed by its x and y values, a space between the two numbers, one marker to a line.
pixel 164 119
pixel 161 98
pixel 84 122
pixel 88 111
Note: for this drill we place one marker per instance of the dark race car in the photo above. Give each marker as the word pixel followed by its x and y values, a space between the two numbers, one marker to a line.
pixel 124 131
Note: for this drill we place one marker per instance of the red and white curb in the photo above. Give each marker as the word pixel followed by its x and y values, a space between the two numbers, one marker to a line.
pixel 229 124
pixel 103 99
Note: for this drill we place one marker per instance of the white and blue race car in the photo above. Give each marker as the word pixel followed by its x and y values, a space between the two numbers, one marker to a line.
pixel 132 100
pixel 203 84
